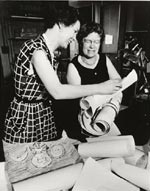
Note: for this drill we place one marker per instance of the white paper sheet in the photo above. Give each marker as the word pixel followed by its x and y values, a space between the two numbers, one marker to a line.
pixel 4 181
pixel 136 175
pixel 99 100
pixel 94 177
pixel 129 80
pixel 57 180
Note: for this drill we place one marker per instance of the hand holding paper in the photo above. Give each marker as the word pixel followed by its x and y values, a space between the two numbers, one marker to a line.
pixel 95 118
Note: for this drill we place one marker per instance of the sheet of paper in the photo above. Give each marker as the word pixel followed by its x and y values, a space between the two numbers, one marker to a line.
pixel 99 100
pixel 135 175
pixel 108 39
pixel 129 80
pixel 94 177
pixel 3 179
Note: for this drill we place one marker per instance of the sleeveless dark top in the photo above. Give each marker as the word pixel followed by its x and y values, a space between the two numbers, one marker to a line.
pixel 92 76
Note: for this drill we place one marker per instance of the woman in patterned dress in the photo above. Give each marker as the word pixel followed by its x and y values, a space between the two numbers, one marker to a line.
pixel 31 115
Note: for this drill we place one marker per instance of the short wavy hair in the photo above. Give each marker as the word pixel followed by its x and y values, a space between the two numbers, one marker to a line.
pixel 88 28
pixel 65 15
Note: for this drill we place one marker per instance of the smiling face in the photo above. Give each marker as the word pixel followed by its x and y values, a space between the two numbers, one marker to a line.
pixel 91 45
pixel 68 34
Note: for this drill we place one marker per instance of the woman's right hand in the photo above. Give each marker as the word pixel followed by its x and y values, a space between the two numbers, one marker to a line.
pixel 111 86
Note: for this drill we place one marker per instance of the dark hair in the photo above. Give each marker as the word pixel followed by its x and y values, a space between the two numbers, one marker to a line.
pixel 88 28
pixel 65 15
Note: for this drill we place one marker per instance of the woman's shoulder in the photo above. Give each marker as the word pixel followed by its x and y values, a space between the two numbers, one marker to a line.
pixel 36 43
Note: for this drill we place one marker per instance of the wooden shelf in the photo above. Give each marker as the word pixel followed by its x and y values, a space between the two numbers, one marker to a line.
pixel 26 17
pixel 22 38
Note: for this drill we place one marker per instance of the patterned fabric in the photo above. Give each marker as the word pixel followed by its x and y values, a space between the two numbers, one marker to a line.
pixel 30 116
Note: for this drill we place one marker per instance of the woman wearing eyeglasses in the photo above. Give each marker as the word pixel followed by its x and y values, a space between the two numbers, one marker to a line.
pixel 89 67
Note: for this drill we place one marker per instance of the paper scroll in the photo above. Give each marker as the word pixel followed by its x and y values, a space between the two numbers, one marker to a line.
pixel 139 159
pixel 106 163
pixel 135 175
pixel 57 180
pixel 99 123
pixel 94 177
pixel 120 147
pixel 111 138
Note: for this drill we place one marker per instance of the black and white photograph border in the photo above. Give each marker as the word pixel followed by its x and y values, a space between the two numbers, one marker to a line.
pixel 123 154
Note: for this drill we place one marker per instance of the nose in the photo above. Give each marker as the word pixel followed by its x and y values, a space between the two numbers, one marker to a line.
pixel 92 43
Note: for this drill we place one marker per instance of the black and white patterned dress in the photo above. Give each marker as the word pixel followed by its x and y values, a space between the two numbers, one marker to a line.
pixel 30 116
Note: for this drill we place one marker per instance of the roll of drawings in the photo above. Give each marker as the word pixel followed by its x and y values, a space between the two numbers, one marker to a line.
pixel 61 179
pixel 97 121
pixel 104 120
pixel 100 123
pixel 111 148
pixel 106 163
pixel 94 102
pixel 138 176
pixel 111 138
pixel 139 159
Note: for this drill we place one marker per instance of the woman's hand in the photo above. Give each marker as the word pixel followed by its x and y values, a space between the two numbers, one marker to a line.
pixel 110 86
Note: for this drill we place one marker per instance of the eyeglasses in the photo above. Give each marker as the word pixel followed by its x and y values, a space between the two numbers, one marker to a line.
pixel 88 41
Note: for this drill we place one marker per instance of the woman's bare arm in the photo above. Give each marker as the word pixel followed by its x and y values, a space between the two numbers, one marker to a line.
pixel 66 91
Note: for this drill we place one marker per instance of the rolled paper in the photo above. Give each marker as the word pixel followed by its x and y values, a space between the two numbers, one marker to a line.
pixel 94 102
pixel 114 131
pixel 106 163
pixel 100 123
pixel 110 148
pixel 57 180
pixel 137 176
pixel 111 138
pixel 105 118
pixel 97 116
pixel 139 158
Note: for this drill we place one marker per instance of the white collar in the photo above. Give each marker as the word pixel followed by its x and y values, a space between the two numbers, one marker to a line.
pixel 88 66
